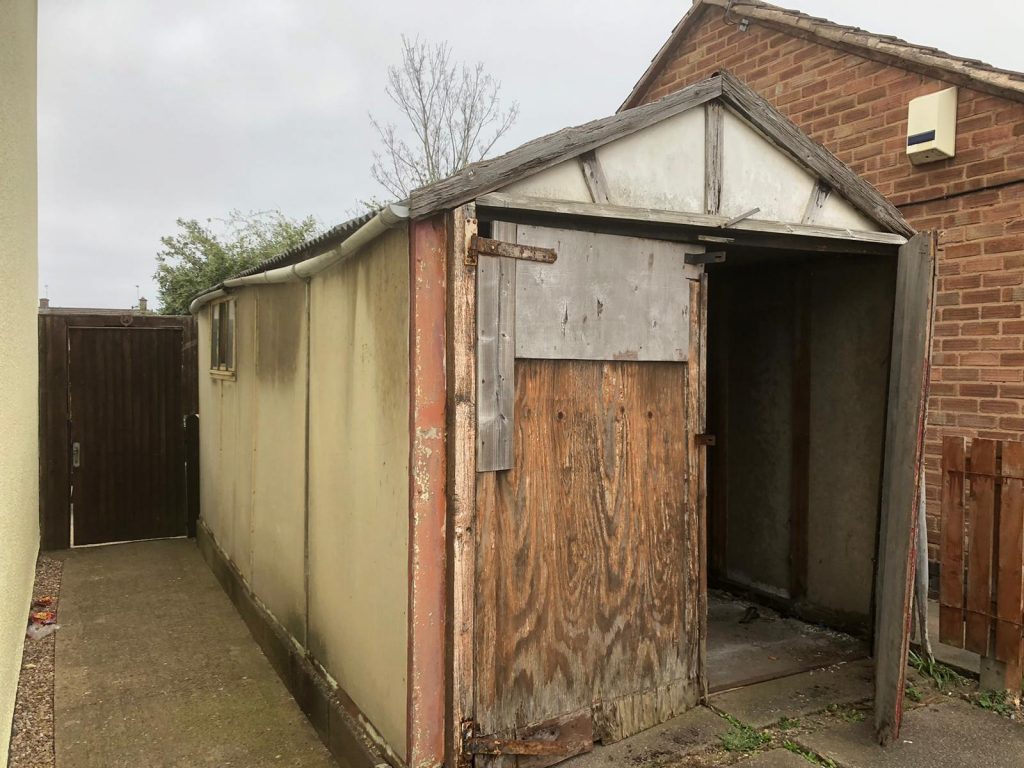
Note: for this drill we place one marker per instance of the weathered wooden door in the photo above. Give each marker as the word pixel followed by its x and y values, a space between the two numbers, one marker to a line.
pixel 904 444
pixel 127 439
pixel 589 586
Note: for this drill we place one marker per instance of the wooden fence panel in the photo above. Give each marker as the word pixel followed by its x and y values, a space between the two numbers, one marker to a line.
pixel 980 525
pixel 981 593
pixel 1010 576
pixel 951 546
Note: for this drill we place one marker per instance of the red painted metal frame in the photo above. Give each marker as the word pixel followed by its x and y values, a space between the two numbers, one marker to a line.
pixel 425 736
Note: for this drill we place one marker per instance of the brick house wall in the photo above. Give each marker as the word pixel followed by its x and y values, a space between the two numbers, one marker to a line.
pixel 857 109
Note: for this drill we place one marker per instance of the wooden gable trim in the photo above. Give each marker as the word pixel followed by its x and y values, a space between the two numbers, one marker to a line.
pixel 881 48
pixel 786 136
pixel 721 88
pixel 539 154
pixel 713 158
pixel 593 176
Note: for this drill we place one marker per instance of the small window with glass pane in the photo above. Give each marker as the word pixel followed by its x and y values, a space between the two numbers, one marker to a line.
pixel 222 341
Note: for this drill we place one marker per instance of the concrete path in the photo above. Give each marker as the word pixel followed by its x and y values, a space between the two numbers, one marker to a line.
pixel 155 668
pixel 766 703
pixel 690 733
pixel 945 734
pixel 941 732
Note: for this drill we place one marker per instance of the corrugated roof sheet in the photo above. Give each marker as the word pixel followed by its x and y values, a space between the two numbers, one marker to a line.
pixel 315 245
pixel 326 239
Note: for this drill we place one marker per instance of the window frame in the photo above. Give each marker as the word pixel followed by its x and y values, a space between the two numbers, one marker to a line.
pixel 223 352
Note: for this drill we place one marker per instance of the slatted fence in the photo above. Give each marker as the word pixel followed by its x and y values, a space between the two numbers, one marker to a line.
pixel 981 590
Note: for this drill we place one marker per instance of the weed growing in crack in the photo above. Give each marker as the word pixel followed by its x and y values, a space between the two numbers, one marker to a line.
pixel 811 757
pixel 846 714
pixel 944 677
pixel 996 701
pixel 743 738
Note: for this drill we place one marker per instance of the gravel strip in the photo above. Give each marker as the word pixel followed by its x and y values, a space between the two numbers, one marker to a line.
pixel 32 735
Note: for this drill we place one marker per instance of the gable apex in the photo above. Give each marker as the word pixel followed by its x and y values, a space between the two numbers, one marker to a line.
pixel 538 159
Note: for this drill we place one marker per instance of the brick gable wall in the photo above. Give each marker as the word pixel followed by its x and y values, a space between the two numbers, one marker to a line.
pixel 857 108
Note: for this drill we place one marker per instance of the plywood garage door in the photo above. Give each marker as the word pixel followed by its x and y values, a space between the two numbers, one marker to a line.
pixel 587 605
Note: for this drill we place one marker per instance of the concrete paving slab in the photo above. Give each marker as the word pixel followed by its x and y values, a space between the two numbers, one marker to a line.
pixel 742 651
pixel 687 734
pixel 946 734
pixel 155 667
pixel 766 703
pixel 775 758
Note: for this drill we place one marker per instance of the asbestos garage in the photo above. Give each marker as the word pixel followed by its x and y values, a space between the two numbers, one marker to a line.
pixel 470 463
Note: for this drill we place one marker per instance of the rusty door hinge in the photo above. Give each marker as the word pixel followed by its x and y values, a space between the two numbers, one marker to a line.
pixel 485 246
pixel 561 737
pixel 704 439
pixel 489 745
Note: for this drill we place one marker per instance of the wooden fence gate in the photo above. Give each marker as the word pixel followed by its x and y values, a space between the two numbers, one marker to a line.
pixel 114 390
pixel 981 592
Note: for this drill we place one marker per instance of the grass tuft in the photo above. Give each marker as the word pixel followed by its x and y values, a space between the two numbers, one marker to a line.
pixel 788 724
pixel 846 714
pixel 996 701
pixel 944 677
pixel 743 738
pixel 811 757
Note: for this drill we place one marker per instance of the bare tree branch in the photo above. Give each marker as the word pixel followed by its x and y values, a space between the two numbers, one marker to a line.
pixel 453 113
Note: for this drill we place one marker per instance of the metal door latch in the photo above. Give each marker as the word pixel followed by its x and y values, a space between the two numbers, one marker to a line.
pixel 76 454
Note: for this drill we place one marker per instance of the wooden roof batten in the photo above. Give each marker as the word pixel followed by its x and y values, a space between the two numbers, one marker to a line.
pixel 492 175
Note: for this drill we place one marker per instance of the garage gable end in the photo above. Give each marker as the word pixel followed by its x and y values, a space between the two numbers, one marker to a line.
pixel 714 148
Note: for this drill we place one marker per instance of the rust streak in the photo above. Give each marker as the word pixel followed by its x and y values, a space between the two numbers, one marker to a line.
pixel 427 465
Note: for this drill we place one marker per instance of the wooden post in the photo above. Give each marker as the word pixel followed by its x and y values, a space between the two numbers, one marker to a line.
pixel 461 473
pixel 696 418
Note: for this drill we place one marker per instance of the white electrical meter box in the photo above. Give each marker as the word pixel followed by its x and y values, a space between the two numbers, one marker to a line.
pixel 931 127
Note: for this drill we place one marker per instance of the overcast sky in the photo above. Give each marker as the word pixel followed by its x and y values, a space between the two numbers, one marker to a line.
pixel 151 110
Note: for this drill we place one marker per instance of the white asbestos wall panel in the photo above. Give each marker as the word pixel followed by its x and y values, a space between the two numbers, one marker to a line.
pixel 359 479
pixel 756 174
pixel 659 167
pixel 560 182
pixel 606 298
pixel 228 408
pixel 837 212
pixel 278 449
